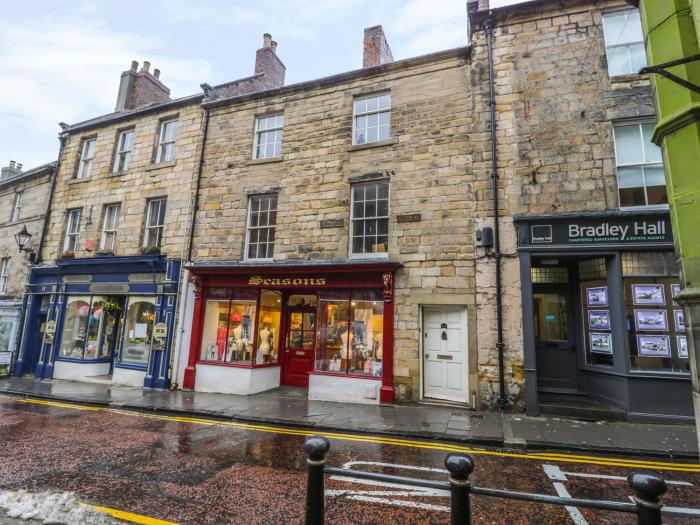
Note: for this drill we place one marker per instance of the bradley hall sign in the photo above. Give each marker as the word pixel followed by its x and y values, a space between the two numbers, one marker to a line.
pixel 586 231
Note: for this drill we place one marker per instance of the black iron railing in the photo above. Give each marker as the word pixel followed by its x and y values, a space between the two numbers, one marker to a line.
pixel 647 489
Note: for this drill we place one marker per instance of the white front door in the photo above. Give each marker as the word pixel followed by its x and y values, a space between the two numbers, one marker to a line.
pixel 445 370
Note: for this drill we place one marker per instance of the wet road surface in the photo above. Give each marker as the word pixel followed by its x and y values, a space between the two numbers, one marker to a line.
pixel 197 471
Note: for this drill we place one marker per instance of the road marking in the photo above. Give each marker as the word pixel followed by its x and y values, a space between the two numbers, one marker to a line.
pixel 129 516
pixel 402 490
pixel 558 476
pixel 555 473
pixel 384 440
pixel 575 514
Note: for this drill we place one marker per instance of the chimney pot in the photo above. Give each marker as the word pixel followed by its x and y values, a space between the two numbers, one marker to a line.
pixel 19 167
pixel 134 65
pixel 156 73
pixel 273 47
pixel 146 66
pixel 267 40
pixel 12 164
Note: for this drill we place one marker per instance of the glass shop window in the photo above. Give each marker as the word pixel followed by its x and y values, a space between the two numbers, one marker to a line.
pixel 656 327
pixel 82 336
pixel 268 327
pixel 595 305
pixel 227 334
pixel 140 315
pixel 350 332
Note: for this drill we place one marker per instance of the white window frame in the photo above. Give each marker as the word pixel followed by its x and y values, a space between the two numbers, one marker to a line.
pixel 164 143
pixel 618 44
pixel 111 211
pixel 268 226
pixel 366 113
pixel 4 274
pixel 73 219
pixel 353 220
pixel 259 131
pixel 642 165
pixel 87 155
pixel 159 228
pixel 122 152
pixel 17 207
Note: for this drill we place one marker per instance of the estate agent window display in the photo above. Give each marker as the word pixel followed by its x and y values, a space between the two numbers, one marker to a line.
pixel 654 322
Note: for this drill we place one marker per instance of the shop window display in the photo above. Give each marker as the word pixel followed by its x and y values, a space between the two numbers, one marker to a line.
pixel 83 329
pixel 268 327
pixel 350 333
pixel 140 315
pixel 227 335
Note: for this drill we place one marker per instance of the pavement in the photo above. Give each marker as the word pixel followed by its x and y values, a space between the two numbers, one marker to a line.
pixel 290 406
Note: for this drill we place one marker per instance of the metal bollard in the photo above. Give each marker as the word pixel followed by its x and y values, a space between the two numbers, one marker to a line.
pixel 316 448
pixel 460 466
pixel 648 490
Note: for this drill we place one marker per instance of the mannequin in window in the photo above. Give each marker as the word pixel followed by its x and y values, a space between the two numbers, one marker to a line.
pixel 265 347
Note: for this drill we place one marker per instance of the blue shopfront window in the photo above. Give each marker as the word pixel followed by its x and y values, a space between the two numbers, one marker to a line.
pixel 140 315
pixel 83 328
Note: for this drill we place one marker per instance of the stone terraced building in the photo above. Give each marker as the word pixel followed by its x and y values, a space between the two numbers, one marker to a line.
pixel 24 197
pixel 338 235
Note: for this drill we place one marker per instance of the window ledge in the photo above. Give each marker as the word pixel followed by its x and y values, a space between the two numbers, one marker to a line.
pixel 78 181
pixel 118 173
pixel 377 144
pixel 375 255
pixel 630 77
pixel 265 160
pixel 160 165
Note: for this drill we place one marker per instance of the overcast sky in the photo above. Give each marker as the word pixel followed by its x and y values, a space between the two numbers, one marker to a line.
pixel 60 60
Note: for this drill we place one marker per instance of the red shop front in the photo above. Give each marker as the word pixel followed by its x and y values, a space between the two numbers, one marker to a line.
pixel 325 327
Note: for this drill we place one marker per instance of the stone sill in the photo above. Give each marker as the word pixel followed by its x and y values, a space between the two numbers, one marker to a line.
pixel 81 179
pixel 623 79
pixel 118 173
pixel 265 160
pixel 377 144
pixel 160 165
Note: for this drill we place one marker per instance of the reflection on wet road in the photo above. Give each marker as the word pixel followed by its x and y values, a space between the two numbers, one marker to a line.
pixel 195 471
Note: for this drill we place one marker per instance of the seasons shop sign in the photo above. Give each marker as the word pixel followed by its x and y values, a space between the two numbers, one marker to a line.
pixel 613 230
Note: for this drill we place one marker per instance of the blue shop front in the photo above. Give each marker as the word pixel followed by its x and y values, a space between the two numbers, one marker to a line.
pixel 101 319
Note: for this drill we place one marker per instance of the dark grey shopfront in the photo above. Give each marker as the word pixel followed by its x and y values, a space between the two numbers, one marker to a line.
pixel 599 319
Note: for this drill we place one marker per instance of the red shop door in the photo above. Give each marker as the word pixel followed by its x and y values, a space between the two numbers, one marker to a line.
pixel 298 357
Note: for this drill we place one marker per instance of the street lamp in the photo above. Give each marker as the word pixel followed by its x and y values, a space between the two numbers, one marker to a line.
pixel 23 237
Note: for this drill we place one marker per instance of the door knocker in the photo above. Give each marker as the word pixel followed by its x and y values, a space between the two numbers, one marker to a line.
pixel 443 327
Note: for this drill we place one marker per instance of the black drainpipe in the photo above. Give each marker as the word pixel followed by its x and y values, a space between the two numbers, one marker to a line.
pixel 62 137
pixel 195 204
pixel 500 345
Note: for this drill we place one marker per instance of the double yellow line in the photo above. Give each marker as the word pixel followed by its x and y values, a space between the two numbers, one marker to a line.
pixel 398 442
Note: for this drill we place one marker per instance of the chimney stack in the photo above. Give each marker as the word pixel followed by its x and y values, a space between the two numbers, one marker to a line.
pixel 376 49
pixel 12 169
pixel 140 88
pixel 268 63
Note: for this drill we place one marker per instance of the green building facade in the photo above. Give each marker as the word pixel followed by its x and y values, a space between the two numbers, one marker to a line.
pixel 672 37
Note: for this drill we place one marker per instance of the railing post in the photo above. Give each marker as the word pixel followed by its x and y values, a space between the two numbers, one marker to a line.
pixel 460 466
pixel 648 490
pixel 316 448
